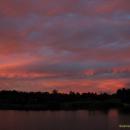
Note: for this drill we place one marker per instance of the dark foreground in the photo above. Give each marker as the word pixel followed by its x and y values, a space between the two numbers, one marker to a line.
pixel 13 100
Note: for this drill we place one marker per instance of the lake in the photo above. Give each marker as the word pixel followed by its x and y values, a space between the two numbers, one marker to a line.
pixel 63 120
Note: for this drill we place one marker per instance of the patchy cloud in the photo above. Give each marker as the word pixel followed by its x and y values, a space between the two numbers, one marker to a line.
pixel 77 45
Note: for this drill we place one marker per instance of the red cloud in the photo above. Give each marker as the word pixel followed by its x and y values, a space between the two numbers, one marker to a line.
pixel 64 44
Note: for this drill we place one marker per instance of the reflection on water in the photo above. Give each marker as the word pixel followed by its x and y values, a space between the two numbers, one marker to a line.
pixel 62 120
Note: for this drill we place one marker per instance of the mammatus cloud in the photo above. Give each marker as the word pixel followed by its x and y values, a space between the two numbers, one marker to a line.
pixel 69 45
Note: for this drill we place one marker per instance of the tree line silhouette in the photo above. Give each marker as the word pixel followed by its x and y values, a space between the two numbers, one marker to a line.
pixel 55 100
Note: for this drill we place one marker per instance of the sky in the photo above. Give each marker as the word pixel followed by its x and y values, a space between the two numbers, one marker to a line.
pixel 68 45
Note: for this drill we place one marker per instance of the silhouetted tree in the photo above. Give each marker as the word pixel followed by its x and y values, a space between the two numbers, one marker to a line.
pixel 56 100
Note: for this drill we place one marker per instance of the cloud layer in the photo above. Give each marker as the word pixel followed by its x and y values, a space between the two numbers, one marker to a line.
pixel 69 45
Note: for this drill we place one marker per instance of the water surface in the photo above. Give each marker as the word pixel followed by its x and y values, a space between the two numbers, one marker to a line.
pixel 63 120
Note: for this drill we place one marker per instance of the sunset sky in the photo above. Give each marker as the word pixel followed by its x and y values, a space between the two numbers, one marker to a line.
pixel 68 45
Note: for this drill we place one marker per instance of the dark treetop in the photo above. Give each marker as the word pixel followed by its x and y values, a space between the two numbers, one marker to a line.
pixel 60 101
